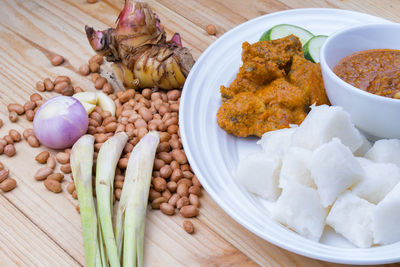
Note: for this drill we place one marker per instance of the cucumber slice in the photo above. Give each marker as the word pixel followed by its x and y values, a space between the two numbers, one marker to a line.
pixel 283 30
pixel 313 46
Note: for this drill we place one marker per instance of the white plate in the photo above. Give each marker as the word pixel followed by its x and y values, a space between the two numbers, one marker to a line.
pixel 214 154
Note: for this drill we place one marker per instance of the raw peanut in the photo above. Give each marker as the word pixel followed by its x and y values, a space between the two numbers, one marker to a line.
pixel 183 201
pixel 165 156
pixel 1 166
pixel 183 190
pixel 62 157
pixel 71 187
pixel 61 86
pixel 8 139
pixel 188 227
pixel 1 149
pixel 78 90
pixel 108 120
pixel 173 95
pixel 155 204
pixel 111 127
pixel 174 107
pixel 57 60
pixel 29 105
pixel 97 147
pixel 174 165
pixel 121 128
pixel 92 1
pixel 174 199
pixel 15 135
pixel 172 129
pixel 211 29
pixel 9 150
pixel 189 211
pixel 156 174
pixel 108 89
pixel 13 116
pixel 194 200
pixel 174 143
pixel 42 173
pixel 187 174
pixel 159 184
pixel 139 123
pixel 19 109
pixel 8 184
pixel 35 97
pixel 94 67
pixel 91 130
pixel 186 181
pixel 75 195
pixel 1 123
pixel 146 93
pixel 119 184
pixel 4 175
pixel 142 132
pixel 101 130
pixel 51 163
pixel 53 185
pixel 100 138
pixel 158 164
pixel 122 163
pixel 166 171
pixel 33 141
pixel 125 96
pixel 64 89
pixel 84 69
pixel 66 168
pixel 166 194
pixel 119 177
pixel 94 77
pixel 56 176
pixel 155 95
pixel 27 132
pixel 42 157
pixel 176 175
pixel 171 121
pixel 172 186
pixel 48 84
pixel 93 122
pixel 196 181
pixel 167 209
pixel 117 193
pixel 153 194
pixel 195 190
pixel 128 148
pixel 62 78
pixel 30 115
pixel 3 142
pixel 179 156
pixel 97 58
pixel 163 147
pixel 146 114
pixel 100 82
pixel 40 86
pixel 163 109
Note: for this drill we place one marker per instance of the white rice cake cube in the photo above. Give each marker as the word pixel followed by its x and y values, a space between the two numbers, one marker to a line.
pixel 299 208
pixel 364 148
pixel 324 123
pixel 386 218
pixel 334 169
pixel 278 141
pixel 259 174
pixel 351 217
pixel 386 151
pixel 378 181
pixel 295 167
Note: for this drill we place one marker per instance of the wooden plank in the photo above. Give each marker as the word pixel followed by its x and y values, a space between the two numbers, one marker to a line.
pixel 23 243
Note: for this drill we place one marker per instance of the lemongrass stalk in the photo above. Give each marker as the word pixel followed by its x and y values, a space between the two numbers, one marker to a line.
pixel 81 166
pixel 131 211
pixel 107 160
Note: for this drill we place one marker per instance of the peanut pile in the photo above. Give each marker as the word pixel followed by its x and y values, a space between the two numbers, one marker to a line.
pixel 174 185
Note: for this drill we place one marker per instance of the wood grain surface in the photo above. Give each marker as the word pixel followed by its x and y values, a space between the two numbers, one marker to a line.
pixel 39 228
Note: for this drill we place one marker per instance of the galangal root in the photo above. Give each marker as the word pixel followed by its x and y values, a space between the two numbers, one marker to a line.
pixel 143 58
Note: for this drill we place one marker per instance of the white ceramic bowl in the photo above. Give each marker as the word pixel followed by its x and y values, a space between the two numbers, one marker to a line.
pixel 377 116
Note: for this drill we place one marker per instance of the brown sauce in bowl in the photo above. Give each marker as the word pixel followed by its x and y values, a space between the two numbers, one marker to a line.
pixel 376 71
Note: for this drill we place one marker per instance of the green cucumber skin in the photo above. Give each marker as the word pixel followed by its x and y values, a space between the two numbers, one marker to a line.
pixel 308 50
pixel 266 36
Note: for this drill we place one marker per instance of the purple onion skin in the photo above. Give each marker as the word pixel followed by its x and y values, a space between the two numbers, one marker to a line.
pixel 60 122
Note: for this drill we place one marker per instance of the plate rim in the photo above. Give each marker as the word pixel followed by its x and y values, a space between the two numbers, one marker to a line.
pixel 214 193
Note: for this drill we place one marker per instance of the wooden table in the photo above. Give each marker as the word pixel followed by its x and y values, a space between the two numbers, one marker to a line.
pixel 39 228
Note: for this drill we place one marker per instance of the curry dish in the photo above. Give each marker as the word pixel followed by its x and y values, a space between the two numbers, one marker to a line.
pixel 376 71
pixel 275 87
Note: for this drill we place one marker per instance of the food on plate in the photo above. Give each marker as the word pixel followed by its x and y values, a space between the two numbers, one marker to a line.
pixel 376 71
pixel 140 51
pixel 316 174
pixel 60 122
pixel 351 216
pixel 313 47
pixel 386 218
pixel 283 30
pixel 299 208
pixel 274 88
